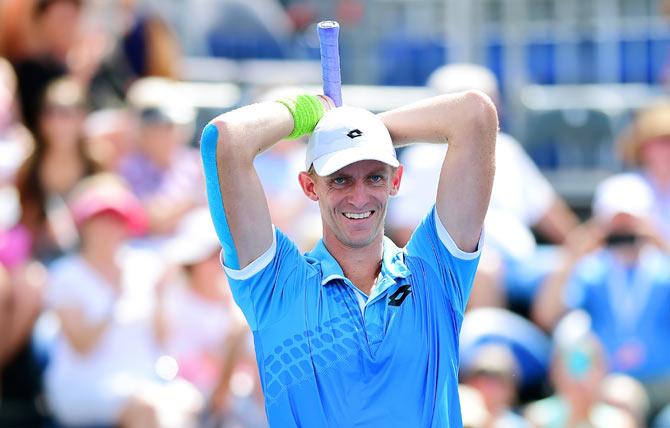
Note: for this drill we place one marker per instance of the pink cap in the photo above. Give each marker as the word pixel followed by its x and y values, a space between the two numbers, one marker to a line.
pixel 106 193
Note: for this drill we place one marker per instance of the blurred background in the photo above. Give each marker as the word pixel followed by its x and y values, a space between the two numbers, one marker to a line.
pixel 113 308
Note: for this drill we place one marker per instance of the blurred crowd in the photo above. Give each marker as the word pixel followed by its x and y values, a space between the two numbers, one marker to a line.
pixel 114 310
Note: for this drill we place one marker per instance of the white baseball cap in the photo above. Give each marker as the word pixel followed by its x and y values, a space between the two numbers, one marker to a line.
pixel 346 135
pixel 623 193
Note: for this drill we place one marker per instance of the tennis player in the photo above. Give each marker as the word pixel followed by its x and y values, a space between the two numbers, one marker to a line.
pixel 358 332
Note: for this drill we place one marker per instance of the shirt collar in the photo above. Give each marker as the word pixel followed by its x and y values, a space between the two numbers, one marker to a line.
pixel 393 263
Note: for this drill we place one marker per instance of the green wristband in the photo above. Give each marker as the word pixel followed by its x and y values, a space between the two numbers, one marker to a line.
pixel 306 111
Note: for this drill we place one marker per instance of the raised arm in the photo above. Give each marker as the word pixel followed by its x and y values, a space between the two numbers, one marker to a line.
pixel 550 303
pixel 469 123
pixel 229 144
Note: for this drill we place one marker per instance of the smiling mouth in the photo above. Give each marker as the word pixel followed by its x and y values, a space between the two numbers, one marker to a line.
pixel 358 216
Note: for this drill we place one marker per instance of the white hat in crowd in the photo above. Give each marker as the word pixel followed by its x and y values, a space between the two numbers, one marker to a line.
pixel 622 194
pixel 464 76
pixel 195 239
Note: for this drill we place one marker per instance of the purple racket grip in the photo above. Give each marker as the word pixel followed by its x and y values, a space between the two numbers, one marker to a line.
pixel 330 60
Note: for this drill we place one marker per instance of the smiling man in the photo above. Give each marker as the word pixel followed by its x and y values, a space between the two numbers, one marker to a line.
pixel 356 333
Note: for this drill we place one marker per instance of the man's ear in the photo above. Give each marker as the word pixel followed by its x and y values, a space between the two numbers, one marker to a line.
pixel 308 185
pixel 395 181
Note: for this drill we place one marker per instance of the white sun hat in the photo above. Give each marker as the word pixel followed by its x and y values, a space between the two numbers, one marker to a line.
pixel 346 135
pixel 194 240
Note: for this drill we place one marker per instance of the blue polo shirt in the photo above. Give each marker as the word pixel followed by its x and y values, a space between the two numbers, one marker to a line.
pixel 330 356
pixel 628 309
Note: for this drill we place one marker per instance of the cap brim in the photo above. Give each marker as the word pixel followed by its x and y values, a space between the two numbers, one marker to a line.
pixel 332 162
pixel 132 214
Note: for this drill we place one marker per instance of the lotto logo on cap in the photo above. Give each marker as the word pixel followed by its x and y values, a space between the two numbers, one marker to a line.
pixel 346 135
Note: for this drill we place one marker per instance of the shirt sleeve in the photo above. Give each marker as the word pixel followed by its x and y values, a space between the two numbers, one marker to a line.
pixel 267 288
pixel 456 268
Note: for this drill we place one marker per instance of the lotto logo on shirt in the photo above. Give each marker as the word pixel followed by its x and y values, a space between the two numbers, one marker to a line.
pixel 400 295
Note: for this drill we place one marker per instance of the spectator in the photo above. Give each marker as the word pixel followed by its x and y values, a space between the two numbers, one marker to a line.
pixel 21 279
pixel 494 372
pixel 577 371
pixel 164 172
pixel 105 368
pixel 58 162
pixel 473 407
pixel 198 304
pixel 15 140
pixel 17 36
pixel 56 22
pixel 15 145
pixel 206 332
pixel 20 295
pixel 146 46
pixel 512 265
pixel 150 46
pixel 530 346
pixel 20 382
pixel 614 270
pixel 110 135
pixel 645 145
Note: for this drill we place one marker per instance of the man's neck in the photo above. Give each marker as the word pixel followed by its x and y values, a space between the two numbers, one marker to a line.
pixel 360 265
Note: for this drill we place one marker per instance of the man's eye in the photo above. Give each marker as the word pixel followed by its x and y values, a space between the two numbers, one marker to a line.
pixel 339 180
pixel 376 178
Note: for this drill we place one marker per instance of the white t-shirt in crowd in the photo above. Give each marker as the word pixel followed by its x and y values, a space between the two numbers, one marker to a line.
pixel 521 195
pixel 92 387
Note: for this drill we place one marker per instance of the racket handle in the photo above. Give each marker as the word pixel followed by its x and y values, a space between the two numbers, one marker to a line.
pixel 330 60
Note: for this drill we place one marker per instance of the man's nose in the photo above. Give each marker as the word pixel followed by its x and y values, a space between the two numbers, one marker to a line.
pixel 359 195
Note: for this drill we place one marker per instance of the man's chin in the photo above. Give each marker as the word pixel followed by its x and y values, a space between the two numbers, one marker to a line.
pixel 358 241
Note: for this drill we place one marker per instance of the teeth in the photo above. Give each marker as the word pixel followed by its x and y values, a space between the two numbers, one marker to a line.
pixel 358 215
